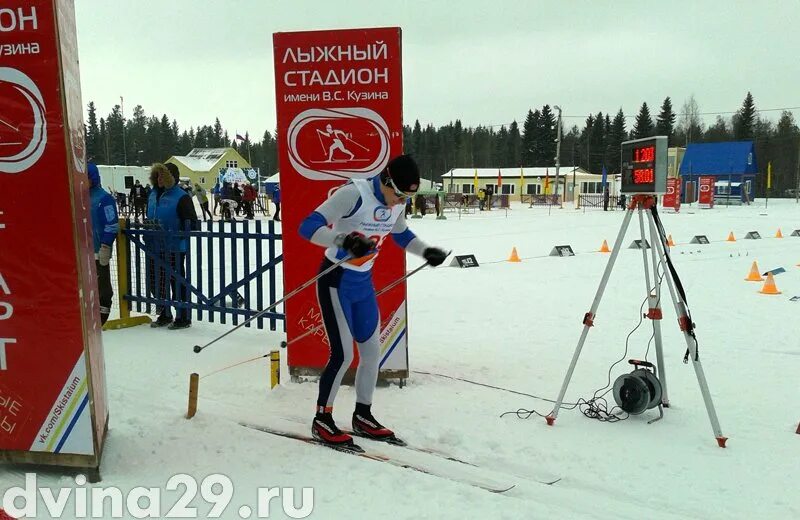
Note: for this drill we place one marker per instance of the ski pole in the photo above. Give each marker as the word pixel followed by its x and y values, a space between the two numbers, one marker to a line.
pixel 198 348
pixel 389 287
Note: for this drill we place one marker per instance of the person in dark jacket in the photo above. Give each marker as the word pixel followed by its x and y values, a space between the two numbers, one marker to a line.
pixel 105 226
pixel 249 199
pixel 175 214
pixel 138 198
pixel 276 198
pixel 227 200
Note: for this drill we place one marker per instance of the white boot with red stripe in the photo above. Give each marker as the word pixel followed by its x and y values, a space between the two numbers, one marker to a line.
pixel 365 425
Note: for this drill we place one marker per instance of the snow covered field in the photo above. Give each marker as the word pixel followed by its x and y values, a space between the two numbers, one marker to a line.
pixel 513 325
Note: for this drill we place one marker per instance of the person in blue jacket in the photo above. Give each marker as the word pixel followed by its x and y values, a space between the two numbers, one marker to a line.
pixel 276 198
pixel 105 226
pixel 174 212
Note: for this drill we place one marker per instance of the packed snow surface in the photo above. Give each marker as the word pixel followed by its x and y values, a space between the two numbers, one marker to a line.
pixel 515 326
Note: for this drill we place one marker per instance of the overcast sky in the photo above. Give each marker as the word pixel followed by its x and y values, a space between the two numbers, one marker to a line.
pixel 485 62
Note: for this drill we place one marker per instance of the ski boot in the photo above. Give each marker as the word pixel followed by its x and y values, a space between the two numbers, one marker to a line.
pixel 365 425
pixel 324 429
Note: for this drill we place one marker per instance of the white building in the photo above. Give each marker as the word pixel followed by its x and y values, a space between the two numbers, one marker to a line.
pixel 121 178
pixel 572 181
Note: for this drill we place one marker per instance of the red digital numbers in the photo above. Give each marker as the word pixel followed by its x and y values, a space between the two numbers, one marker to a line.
pixel 644 154
pixel 643 176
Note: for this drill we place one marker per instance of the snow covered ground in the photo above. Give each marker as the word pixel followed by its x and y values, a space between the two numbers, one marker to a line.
pixel 513 325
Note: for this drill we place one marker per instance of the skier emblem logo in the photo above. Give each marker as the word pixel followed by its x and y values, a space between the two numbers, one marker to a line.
pixel 342 143
pixel 382 214
pixel 23 128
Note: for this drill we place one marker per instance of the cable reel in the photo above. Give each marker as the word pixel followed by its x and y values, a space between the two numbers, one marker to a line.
pixel 639 390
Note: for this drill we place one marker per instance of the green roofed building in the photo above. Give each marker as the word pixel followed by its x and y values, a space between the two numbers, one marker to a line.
pixel 203 165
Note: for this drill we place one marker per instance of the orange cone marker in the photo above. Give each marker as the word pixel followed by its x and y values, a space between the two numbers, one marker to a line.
pixel 779 234
pixel 604 248
pixel 769 286
pixel 731 238
pixel 514 256
pixel 754 275
pixel 670 242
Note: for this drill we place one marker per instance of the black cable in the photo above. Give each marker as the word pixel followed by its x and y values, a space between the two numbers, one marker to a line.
pixel 595 407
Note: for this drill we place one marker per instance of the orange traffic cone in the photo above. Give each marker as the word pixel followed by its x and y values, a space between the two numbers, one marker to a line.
pixel 769 286
pixel 514 256
pixel 670 242
pixel 604 248
pixel 731 238
pixel 754 275
pixel 779 234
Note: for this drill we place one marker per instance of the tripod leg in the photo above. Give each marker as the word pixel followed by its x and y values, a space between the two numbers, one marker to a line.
pixel 655 313
pixel 588 319
pixel 684 322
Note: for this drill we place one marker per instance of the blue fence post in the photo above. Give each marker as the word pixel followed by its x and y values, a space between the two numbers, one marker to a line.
pixel 198 246
pixel 271 229
pixel 246 268
pixel 234 271
pixel 222 264
pixel 210 242
pixel 260 280
pixel 185 233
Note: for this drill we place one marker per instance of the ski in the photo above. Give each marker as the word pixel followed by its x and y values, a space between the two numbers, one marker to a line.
pixel 400 443
pixel 308 439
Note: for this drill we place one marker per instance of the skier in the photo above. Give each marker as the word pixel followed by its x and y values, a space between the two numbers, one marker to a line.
pixel 354 221
pixel 105 226
pixel 337 136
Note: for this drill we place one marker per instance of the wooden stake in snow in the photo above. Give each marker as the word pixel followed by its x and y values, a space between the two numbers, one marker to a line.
pixel 194 383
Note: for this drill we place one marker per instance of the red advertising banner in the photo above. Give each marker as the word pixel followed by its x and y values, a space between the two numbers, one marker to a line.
pixel 52 380
pixel 706 189
pixel 340 116
pixel 672 197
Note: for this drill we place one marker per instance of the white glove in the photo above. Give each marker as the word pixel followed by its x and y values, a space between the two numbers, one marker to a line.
pixel 104 256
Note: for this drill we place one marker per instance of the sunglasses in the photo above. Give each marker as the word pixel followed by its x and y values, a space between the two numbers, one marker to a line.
pixel 389 183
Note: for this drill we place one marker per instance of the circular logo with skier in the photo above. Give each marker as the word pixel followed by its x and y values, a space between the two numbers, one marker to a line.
pixel 342 143
pixel 23 128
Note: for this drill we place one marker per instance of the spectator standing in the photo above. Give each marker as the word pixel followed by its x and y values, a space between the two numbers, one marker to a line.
pixel 215 193
pixel 489 193
pixel 138 197
pixel 276 199
pixel 606 197
pixel 202 199
pixel 249 197
pixel 481 199
pixel 105 226
pixel 237 198
pixel 175 214
pixel 226 201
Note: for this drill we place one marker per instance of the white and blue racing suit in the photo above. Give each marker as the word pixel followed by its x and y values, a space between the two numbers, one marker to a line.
pixel 347 295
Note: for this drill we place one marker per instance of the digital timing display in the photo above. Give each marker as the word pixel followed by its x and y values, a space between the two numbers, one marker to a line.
pixel 644 160
pixel 644 165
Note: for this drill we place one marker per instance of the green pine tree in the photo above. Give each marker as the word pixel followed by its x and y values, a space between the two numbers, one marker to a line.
pixel 665 123
pixel 744 121
pixel 644 124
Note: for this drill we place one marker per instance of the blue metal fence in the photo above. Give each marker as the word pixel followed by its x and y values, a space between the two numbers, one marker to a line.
pixel 230 270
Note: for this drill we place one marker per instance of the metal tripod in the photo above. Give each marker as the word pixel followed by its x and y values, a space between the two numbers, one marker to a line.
pixel 659 256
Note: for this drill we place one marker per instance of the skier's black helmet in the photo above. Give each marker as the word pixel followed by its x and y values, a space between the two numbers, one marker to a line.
pixel 403 173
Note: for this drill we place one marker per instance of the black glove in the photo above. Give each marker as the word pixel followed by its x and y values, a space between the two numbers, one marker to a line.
pixel 434 256
pixel 357 245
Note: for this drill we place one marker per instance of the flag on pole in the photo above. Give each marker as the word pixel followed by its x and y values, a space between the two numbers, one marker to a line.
pixel 604 179
pixel 240 138
pixel 547 181
pixel 499 180
pixel 475 182
pixel 769 175
pixel 521 181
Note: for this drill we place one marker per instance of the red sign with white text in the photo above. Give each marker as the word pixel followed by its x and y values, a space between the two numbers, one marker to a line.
pixel 340 116
pixel 706 189
pixel 52 380
pixel 672 197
